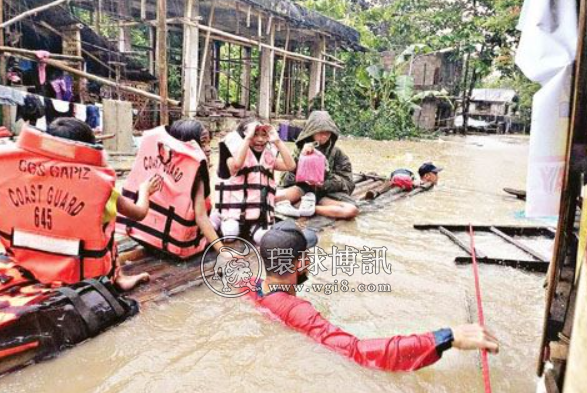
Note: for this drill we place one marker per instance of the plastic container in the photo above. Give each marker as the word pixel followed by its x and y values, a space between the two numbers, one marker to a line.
pixel 311 169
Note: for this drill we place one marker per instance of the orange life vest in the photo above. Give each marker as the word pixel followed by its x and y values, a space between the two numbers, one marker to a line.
pixel 249 196
pixel 170 224
pixel 38 320
pixel 53 193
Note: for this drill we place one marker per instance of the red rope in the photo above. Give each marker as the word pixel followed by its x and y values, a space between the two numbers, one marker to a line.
pixel 484 362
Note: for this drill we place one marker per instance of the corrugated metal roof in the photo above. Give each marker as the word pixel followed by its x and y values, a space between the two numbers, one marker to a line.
pixel 493 95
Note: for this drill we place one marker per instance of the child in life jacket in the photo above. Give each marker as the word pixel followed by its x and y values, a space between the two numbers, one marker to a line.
pixel 245 193
pixel 178 221
pixel 61 192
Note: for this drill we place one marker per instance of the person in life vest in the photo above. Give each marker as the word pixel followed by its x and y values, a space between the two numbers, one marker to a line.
pixel 397 353
pixel 245 193
pixel 178 221
pixel 333 197
pixel 58 205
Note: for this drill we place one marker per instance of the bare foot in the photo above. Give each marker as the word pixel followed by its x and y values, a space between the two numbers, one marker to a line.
pixel 126 283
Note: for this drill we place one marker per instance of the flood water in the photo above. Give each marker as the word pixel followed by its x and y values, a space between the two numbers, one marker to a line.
pixel 198 341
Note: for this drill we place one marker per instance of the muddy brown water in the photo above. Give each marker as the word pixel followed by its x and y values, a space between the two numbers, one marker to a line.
pixel 198 341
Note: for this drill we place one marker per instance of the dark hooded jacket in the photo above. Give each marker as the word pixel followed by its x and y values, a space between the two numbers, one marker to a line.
pixel 339 171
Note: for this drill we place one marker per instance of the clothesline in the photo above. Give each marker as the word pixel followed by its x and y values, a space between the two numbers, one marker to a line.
pixel 51 108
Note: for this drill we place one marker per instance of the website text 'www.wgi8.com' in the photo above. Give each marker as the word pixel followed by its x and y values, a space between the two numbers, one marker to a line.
pixel 330 288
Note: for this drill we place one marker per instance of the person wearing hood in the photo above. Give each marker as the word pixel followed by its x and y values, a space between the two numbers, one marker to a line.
pixel 333 197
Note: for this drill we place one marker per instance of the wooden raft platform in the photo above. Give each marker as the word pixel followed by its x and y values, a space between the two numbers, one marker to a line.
pixel 538 263
pixel 368 188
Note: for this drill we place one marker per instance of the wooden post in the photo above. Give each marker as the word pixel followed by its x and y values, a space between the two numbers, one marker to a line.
pixel 246 79
pixel 118 122
pixel 191 48
pixel 570 191
pixel 284 65
pixel 576 378
pixel 266 77
pixel 124 37
pixel 5 108
pixel 323 88
pixel 97 15
pixel 316 70
pixel 143 9
pixel 162 59
pixel 205 56
pixel 31 12
pixel 153 52
pixel 72 46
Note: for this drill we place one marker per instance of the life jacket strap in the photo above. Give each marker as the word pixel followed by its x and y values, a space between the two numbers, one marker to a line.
pixel 90 319
pixel 160 235
pixel 167 212
pixel 107 295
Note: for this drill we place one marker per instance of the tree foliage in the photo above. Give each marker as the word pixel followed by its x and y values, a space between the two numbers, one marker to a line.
pixel 483 32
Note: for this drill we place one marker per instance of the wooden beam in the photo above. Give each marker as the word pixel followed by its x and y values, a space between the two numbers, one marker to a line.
pixel 57 56
pixel 278 51
pixel 32 12
pixel 162 68
pixel 519 245
pixel 107 82
pixel 85 52
pixel 460 243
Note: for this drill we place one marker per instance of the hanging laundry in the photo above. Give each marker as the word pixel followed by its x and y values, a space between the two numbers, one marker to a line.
pixel 80 112
pixel 55 109
pixel 9 96
pixel 42 55
pixel 31 110
pixel 68 92
pixel 93 116
pixel 59 87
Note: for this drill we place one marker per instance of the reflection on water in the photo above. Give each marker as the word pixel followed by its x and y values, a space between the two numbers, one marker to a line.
pixel 201 342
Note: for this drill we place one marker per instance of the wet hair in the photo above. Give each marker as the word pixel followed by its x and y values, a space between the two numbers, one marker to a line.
pixel 187 130
pixel 242 127
pixel 72 129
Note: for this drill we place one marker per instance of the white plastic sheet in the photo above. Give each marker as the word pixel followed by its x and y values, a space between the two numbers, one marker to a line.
pixel 546 55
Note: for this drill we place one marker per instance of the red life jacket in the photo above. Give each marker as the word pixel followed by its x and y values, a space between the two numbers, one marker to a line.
pixel 170 224
pixel 249 196
pixel 53 193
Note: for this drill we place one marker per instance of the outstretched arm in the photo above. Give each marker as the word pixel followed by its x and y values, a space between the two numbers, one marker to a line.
pixel 397 353
pixel 138 211
pixel 202 218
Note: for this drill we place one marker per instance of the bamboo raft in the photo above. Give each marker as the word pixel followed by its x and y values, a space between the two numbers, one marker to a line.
pixel 169 277
pixel 368 188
